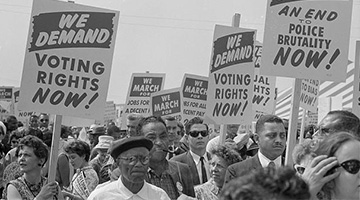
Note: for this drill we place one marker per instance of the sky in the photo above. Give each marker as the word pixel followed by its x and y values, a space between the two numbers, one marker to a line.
pixel 159 36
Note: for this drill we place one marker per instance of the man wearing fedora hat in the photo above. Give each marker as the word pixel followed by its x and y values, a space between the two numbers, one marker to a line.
pixel 132 158
pixel 102 157
pixel 94 134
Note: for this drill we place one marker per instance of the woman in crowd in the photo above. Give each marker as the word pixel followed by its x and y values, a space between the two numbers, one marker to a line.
pixel 13 142
pixel 346 185
pixel 222 157
pixel 32 155
pixel 303 154
pixel 85 179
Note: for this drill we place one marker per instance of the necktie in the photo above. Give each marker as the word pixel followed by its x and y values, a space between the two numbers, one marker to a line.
pixel 271 164
pixel 203 170
pixel 171 152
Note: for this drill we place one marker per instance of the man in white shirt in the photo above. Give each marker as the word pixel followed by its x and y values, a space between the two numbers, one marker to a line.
pixel 132 157
pixel 271 137
pixel 197 158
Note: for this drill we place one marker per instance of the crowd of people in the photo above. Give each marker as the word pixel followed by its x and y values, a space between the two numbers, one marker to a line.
pixel 160 158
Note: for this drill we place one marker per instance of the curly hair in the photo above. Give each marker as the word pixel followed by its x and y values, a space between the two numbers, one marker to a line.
pixel 227 153
pixel 79 147
pixel 267 183
pixel 328 147
pixel 40 149
pixel 303 149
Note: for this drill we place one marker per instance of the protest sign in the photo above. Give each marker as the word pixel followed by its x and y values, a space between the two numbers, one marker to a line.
pixel 312 118
pixel 21 115
pixel 166 103
pixel 231 75
pixel 6 93
pixel 6 101
pixel 194 95
pixel 138 97
pixel 302 40
pixel 68 59
pixel 309 94
pixel 356 92
pixel 264 86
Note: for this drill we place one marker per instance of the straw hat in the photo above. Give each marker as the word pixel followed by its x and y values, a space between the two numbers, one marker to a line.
pixel 105 142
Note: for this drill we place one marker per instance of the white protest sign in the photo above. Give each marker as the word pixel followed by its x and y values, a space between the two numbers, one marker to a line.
pixel 231 76
pixel 356 93
pixel 264 86
pixel 312 118
pixel 22 116
pixel 138 97
pixel 309 94
pixel 166 103
pixel 68 59
pixel 302 39
pixel 194 95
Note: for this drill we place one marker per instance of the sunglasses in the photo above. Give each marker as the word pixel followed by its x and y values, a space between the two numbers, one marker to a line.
pixel 196 133
pixel 351 166
pixel 300 169
pixel 44 120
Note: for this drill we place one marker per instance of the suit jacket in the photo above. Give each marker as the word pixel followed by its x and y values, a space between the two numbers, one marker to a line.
pixel 241 168
pixel 186 158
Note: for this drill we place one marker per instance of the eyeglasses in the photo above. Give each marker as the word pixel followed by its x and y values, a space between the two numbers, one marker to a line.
pixel 132 160
pixel 351 166
pixel 300 169
pixel 14 141
pixel 44 120
pixel 196 133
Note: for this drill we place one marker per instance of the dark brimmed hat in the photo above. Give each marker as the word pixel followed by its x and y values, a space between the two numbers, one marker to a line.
pixel 98 130
pixel 122 145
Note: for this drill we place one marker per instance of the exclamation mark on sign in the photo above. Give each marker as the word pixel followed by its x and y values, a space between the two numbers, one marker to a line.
pixel 267 99
pixel 246 103
pixel 333 57
pixel 92 100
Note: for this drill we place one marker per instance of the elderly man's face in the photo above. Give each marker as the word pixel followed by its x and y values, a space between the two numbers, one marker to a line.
pixel 133 164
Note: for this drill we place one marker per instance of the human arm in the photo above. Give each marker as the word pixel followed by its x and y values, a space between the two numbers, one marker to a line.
pixel 64 170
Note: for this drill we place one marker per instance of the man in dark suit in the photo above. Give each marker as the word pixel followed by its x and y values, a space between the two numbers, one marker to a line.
pixel 270 135
pixel 171 176
pixel 196 158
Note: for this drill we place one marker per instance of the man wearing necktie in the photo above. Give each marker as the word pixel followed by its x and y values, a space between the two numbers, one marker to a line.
pixel 197 158
pixel 270 135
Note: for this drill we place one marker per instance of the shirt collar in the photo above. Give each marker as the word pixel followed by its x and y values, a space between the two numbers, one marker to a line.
pixel 196 157
pixel 143 193
pixel 265 161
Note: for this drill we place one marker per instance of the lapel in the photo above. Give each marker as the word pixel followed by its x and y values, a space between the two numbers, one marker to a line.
pixel 192 165
pixel 255 162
